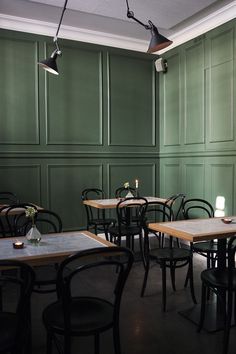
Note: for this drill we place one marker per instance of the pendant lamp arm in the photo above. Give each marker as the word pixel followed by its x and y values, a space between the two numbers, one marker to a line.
pixel 59 25
pixel 130 14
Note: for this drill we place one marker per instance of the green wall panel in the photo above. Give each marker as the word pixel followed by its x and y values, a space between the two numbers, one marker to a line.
pixel 221 104
pixel 171 103
pixel 120 173
pixel 222 176
pixel 18 92
pixel 170 178
pixel 65 185
pixel 194 94
pixel 74 100
pixel 22 179
pixel 194 179
pixel 131 101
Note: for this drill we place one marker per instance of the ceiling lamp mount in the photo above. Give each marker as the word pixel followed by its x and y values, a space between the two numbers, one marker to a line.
pixel 50 64
pixel 158 41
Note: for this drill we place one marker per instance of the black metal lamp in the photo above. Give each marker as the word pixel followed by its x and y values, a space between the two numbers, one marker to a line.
pixel 158 41
pixel 50 64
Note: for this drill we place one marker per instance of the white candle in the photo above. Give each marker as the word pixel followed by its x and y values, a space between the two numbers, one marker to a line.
pixel 136 183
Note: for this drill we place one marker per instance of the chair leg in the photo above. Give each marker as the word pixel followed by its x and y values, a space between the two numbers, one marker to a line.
pixel 49 343
pixel 191 280
pixel 142 250
pixel 228 323
pixel 67 344
pixel 163 267
pixel 145 279
pixel 234 307
pixel 96 344
pixel 106 232
pixel 203 307
pixel 116 338
pixel 172 275
pixel 186 279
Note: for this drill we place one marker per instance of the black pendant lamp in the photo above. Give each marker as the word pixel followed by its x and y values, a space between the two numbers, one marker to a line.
pixel 50 64
pixel 158 41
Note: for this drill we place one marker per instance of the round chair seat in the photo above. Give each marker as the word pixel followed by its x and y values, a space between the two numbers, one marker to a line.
pixel 102 221
pixel 170 254
pixel 87 314
pixel 125 230
pixel 205 247
pixel 218 278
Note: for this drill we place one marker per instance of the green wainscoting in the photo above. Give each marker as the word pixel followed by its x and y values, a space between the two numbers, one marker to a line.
pixel 198 118
pixel 110 118
pixel 94 125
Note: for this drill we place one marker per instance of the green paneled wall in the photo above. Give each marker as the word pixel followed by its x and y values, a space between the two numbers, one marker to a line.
pixel 109 118
pixel 198 117
pixel 94 125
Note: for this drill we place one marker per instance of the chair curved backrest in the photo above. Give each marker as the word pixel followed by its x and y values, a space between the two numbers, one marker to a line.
pixel 121 192
pixel 176 204
pixel 104 265
pixel 158 212
pixel 9 215
pixel 125 209
pixel 46 221
pixel 17 280
pixel 197 208
pixel 92 193
pixel 8 198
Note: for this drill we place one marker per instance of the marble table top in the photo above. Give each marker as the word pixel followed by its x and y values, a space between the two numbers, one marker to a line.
pixel 52 247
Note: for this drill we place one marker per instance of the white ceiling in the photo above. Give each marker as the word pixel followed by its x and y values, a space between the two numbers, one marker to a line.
pixel 172 17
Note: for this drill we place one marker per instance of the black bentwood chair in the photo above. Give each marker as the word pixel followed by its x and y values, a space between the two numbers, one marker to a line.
pixel 167 257
pixel 8 217
pixel 200 208
pixel 15 329
pixel 219 281
pixel 47 222
pixel 8 198
pixel 96 219
pixel 130 214
pixel 90 284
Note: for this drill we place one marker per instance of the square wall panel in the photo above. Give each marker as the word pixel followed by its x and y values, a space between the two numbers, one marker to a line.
pixel 131 101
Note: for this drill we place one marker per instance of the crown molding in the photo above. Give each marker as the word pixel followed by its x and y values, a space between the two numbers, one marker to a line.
pixel 207 23
pixel 204 25
pixel 74 33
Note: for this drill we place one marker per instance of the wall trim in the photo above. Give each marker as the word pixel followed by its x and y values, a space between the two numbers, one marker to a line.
pixel 209 22
pixel 204 25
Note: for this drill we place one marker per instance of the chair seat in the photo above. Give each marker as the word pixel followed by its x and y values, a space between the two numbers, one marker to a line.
pixel 170 254
pixel 102 221
pixel 88 314
pixel 8 325
pixel 124 230
pixel 205 247
pixel 218 278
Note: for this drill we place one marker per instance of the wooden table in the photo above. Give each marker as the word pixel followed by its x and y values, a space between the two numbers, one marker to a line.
pixel 202 230
pixel 53 248
pixel 112 203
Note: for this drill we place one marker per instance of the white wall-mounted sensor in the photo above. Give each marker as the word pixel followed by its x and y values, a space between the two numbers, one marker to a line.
pixel 161 65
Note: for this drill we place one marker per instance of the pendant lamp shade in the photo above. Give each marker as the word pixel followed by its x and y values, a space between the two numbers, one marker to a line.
pixel 50 64
pixel 158 41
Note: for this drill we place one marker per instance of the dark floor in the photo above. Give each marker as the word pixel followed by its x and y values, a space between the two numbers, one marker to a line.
pixel 145 329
